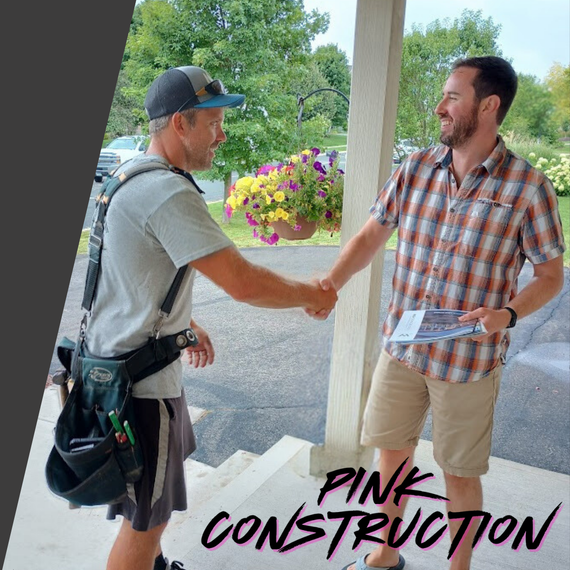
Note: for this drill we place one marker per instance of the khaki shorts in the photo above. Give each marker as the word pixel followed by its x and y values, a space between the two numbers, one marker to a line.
pixel 462 415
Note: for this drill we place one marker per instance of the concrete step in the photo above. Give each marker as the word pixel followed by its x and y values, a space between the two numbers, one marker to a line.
pixel 204 481
pixel 510 489
pixel 186 533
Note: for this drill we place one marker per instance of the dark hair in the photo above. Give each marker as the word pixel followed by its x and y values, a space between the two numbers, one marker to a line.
pixel 495 76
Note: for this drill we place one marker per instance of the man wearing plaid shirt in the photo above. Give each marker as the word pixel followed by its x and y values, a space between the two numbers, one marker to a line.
pixel 468 214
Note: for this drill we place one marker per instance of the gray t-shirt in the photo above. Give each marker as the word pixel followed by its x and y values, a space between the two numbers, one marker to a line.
pixel 156 223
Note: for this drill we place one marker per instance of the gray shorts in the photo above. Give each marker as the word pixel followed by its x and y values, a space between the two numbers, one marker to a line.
pixel 165 431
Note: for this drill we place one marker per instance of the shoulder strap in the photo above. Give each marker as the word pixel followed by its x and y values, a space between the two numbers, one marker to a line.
pixel 110 186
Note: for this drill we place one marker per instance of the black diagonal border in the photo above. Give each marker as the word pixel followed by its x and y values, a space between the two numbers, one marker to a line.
pixel 60 62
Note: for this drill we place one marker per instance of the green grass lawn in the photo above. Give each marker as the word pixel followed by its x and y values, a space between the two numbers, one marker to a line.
pixel 241 233
pixel 335 141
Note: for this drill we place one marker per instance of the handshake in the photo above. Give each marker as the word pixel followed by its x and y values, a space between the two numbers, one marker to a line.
pixel 325 298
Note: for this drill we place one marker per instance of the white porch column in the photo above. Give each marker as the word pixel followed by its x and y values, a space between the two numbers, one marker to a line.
pixel 372 119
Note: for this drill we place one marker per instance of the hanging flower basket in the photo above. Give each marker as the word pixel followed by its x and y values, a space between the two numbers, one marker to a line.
pixel 303 229
pixel 291 200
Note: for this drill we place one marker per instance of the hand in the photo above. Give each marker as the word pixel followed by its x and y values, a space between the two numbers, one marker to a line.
pixel 493 320
pixel 326 286
pixel 202 354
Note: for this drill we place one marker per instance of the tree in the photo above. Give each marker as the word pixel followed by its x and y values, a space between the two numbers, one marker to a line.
pixel 256 48
pixel 558 82
pixel 531 113
pixel 122 120
pixel 333 65
pixel 427 57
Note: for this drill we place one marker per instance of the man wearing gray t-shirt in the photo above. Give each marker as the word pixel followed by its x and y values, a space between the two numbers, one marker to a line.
pixel 158 223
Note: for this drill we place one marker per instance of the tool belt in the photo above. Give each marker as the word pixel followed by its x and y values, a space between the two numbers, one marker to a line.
pixel 96 451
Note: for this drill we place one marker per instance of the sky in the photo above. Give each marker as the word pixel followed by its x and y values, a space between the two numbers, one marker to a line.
pixel 534 34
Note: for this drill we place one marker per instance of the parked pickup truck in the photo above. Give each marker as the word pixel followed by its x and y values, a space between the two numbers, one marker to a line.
pixel 117 151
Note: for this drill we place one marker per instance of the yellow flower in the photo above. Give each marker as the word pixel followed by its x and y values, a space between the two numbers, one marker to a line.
pixel 307 152
pixel 255 187
pixel 279 196
pixel 267 200
pixel 295 159
pixel 244 184
pixel 232 202
pixel 281 213
pixel 271 215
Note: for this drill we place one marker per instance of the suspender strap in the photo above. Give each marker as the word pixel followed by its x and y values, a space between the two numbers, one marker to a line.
pixel 159 352
pixel 109 188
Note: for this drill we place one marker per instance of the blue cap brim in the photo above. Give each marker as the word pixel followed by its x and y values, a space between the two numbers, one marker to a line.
pixel 222 101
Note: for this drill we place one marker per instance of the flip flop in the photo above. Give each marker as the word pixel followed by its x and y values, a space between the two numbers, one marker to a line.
pixel 361 564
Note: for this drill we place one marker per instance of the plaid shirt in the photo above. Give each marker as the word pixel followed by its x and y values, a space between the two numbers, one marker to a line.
pixel 464 248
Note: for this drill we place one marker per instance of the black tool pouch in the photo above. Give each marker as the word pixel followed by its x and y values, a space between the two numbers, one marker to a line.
pixel 89 464
pixel 93 459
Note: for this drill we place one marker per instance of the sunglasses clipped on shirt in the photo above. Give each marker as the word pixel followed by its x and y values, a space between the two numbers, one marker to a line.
pixel 215 87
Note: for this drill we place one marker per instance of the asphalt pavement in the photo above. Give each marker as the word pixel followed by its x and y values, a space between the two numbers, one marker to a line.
pixel 270 376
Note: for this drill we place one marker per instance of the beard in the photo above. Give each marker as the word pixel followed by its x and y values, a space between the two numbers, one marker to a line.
pixel 197 156
pixel 463 130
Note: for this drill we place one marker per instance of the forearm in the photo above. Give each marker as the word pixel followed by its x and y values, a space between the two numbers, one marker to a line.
pixel 261 287
pixel 359 252
pixel 541 288
pixel 270 290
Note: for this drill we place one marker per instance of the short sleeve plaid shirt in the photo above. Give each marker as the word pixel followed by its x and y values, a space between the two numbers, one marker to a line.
pixel 464 248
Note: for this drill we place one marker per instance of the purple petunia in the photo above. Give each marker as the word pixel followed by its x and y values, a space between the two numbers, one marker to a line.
pixel 328 214
pixel 250 220
pixel 273 239
pixel 322 194
pixel 316 151
pixel 229 211
pixel 319 167
pixel 333 157
pixel 266 169
pixel 293 187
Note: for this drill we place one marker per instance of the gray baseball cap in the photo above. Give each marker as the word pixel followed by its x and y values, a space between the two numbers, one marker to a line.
pixel 186 87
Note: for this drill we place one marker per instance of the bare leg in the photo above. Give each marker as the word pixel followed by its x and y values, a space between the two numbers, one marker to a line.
pixel 464 494
pixel 384 556
pixel 135 550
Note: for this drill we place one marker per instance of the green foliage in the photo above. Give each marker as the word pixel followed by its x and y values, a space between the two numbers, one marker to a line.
pixel 558 82
pixel 532 110
pixel 333 65
pixel 122 120
pixel 557 170
pixel 545 157
pixel 258 48
pixel 525 145
pixel 427 56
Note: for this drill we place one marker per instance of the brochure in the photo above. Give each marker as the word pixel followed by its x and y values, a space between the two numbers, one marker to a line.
pixel 432 325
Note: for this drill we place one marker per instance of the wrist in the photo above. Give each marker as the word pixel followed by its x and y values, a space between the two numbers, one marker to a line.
pixel 513 317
